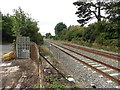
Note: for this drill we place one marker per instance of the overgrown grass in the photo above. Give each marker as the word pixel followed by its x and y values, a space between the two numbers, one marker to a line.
pixel 54 82
pixel 107 48
pixel 94 45
pixel 37 86
pixel 45 51
pixel 78 80
pixel 74 87
pixel 98 46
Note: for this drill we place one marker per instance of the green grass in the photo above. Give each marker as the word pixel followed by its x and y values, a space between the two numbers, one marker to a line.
pixel 97 46
pixel 37 86
pixel 107 48
pixel 74 87
pixel 45 51
pixel 78 80
pixel 55 82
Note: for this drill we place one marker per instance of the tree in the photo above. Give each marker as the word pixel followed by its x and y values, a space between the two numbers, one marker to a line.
pixel 20 24
pixel 37 38
pixel 59 27
pixel 48 35
pixel 113 9
pixel 7 25
pixel 26 26
pixel 74 32
pixel 1 21
pixel 89 10
pixel 19 19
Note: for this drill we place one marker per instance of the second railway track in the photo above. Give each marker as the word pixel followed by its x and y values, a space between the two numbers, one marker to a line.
pixel 109 71
pixel 105 54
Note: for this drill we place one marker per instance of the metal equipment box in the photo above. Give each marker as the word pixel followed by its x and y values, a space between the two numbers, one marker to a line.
pixel 23 47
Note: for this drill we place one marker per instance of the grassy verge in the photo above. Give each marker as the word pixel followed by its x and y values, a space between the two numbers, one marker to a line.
pixel 36 86
pixel 95 45
pixel 55 82
pixel 45 51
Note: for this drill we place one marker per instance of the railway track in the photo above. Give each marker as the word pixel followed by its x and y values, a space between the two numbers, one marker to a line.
pixel 104 69
pixel 105 54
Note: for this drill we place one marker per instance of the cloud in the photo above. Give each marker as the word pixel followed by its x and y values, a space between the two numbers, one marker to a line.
pixel 47 12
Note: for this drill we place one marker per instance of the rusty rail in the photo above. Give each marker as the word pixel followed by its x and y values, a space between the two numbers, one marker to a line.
pixel 108 76
pixel 117 69
pixel 105 54
pixel 52 65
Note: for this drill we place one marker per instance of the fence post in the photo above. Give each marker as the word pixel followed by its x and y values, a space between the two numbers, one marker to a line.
pixel 37 59
pixel 41 73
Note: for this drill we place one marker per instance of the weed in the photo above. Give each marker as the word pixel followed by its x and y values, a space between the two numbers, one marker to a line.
pixel 74 87
pixel 45 51
pixel 97 46
pixel 37 86
pixel 54 82
pixel 78 80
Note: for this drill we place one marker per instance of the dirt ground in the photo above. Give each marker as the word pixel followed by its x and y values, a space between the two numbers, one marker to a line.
pixel 20 73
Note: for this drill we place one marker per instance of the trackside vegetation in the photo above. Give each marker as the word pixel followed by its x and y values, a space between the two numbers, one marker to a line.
pixel 19 24
pixel 103 34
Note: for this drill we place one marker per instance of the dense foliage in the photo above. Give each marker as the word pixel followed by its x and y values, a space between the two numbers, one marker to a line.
pixel 105 32
pixel 7 25
pixel 20 24
pixel 102 33
pixel 94 9
pixel 48 35
pixel 59 27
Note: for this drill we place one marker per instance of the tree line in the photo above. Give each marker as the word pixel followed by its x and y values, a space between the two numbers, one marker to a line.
pixel 19 24
pixel 106 31
pixel 102 33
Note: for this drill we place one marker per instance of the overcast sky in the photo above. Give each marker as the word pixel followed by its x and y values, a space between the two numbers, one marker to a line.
pixel 47 12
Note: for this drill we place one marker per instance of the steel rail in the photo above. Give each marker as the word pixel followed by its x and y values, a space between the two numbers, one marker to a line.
pixel 105 54
pixel 117 69
pixel 104 74
pixel 52 65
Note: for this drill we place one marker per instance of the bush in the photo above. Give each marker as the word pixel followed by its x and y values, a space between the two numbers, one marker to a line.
pixel 102 33
pixel 89 34
pixel 111 42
